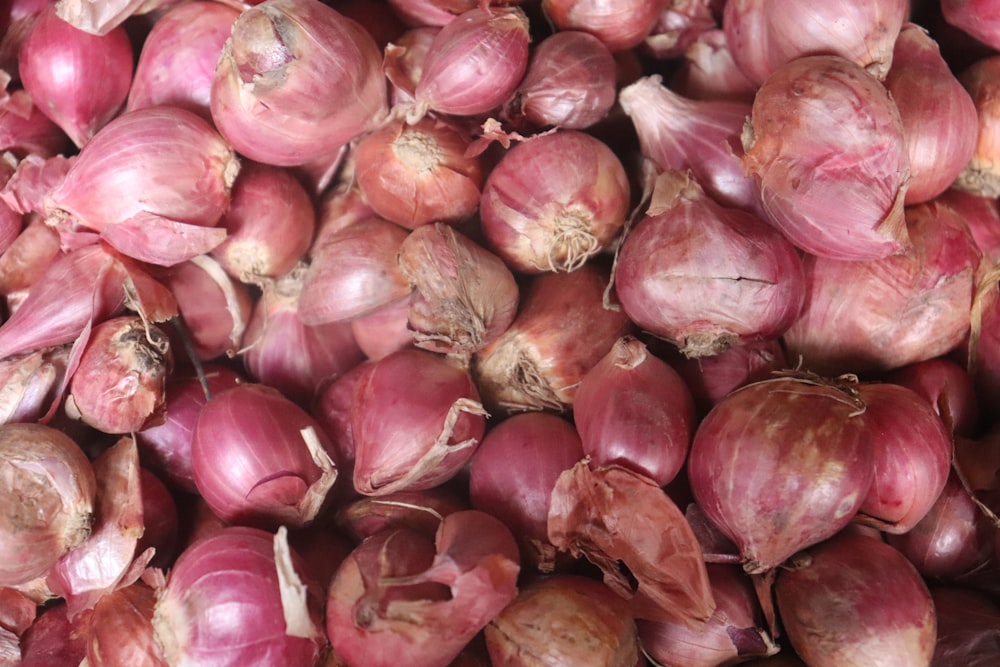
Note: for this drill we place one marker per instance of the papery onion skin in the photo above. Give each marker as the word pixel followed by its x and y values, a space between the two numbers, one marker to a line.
pixel 620 25
pixel 119 631
pixel 434 427
pixel 296 80
pixel 25 130
pixel 177 62
pixel 853 601
pixel 30 383
pixel 48 490
pixel 980 176
pixel 78 80
pixel 826 143
pixel 781 464
pixel 863 316
pixel 554 202
pixel 940 122
pixel 705 277
pixel 233 572
pixel 404 61
pixel 765 34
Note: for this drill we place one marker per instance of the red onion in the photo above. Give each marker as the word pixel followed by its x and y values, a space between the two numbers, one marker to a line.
pixel 595 627
pixel 167 446
pixel 270 224
pixel 569 83
pixel 782 464
pixel 118 385
pixel 322 548
pixel 765 34
pixel 420 511
pixel 978 18
pixel 296 80
pixel 404 62
pixel 560 332
pixel 15 22
pixel 708 71
pixel 634 410
pixel 177 61
pixel 77 79
pixel 420 13
pixel 157 164
pixel 282 352
pixel 513 473
pixel 912 456
pixel 630 528
pixel 854 600
pixel 259 459
pixel 978 459
pixel 415 174
pixel 18 612
pixel 34 177
pixel 982 217
pixel 384 330
pixel 464 297
pixel 51 642
pixel 680 24
pixel 554 202
pixel 429 435
pixel 352 272
pixel 214 306
pixel 159 520
pixel 939 118
pixel 402 594
pixel 26 260
pixel 735 632
pixel 699 135
pixel 25 130
pixel 949 389
pixel 968 628
pixel 706 277
pixel 48 487
pixel 621 25
pixel 980 175
pixel 846 207
pixel 119 631
pixel 881 314
pixel 243 575
pixel 31 383
pixel 333 412
pixel 100 17
pixel 474 63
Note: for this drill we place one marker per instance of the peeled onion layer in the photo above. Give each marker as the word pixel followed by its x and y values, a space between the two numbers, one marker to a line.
pixel 157 240
pixel 622 521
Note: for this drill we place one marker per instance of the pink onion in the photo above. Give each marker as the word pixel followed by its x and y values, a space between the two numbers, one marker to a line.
pixel 26 260
pixel 420 511
pixel 119 631
pixel 48 490
pixel 854 601
pixel 464 297
pixel 251 579
pixel 31 382
pixel 705 277
pixel 912 456
pixel 333 412
pixel 984 348
pixel 596 627
pixel 633 410
pixel 100 17
pixel 513 473
pixel 259 459
pixel 474 63
pixel 77 79
pixel 949 389
pixel 826 144
pixel 569 83
pixel 765 34
pixel 980 176
pixel 554 202
pixel 25 130
pixel 939 118
pixel 978 18
pixel 160 523
pixel 697 135
pixel 421 13
pixel 708 71
pixel 560 332
pixel 782 464
pixel 296 81
pixel 404 61
pixel 177 61
pixel 415 174
pixel 982 217
pixel 401 594
pixel 431 432
pixel 621 25
pixel 118 386
pixel 50 641
pixel 384 330
pixel 881 314
pixel 978 459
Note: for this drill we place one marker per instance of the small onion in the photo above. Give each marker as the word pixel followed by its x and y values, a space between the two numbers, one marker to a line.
pixel 384 330
pixel 708 71
pixel 679 24
pixel 31 382
pixel 782 464
pixel 119 631
pixel 856 601
pixel 332 410
pixel 826 144
pixel 160 523
pixel 981 175
pixel 404 61
pixel 949 389
pixel 50 640
pixel 554 201
pixel 978 18
pixel 621 25
pixel 421 511
pixel 25 130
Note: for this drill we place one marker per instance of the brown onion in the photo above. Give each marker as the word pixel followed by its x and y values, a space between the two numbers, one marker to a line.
pixel 296 80
pixel 826 144
pixel 560 332
pixel 782 464
pixel 981 175
pixel 856 601
pixel 554 202
pixel 876 315
pixel 621 25
pixel 48 490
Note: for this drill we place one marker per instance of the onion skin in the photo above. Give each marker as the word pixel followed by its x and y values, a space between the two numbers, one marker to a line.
pixel 982 217
pixel 854 600
pixel 980 176
pixel 119 631
pixel 864 316
pixel 296 80
pixel 48 490
pixel 554 202
pixel 826 144
pixel 31 382
pixel 762 475
pixel 708 71
pixel 50 641
pixel 420 511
